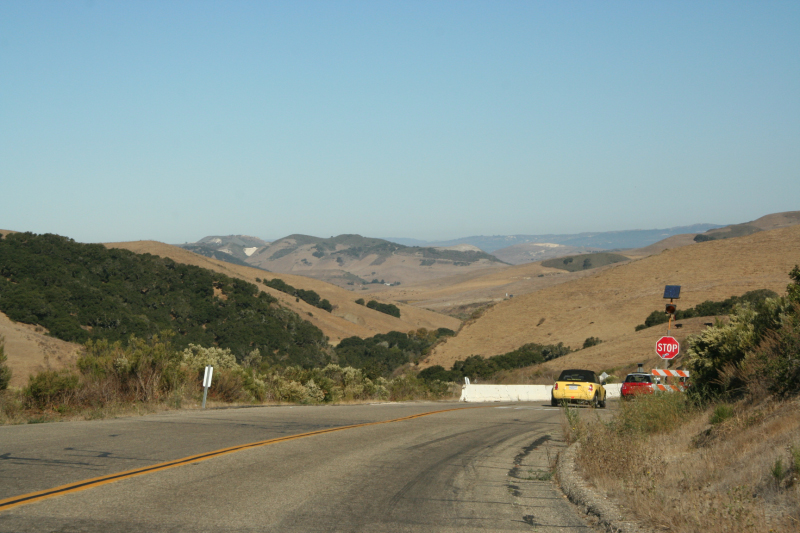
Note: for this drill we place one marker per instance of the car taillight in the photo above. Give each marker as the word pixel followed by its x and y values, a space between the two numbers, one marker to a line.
pixel 590 388
pixel 555 387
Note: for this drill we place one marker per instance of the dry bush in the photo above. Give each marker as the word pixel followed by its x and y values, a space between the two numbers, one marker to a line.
pixel 696 476
pixel 228 386
pixel 11 408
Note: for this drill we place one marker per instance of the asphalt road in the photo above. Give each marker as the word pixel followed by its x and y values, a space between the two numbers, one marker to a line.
pixel 475 469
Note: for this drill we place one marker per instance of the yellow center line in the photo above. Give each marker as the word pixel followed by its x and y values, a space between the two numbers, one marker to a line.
pixel 78 486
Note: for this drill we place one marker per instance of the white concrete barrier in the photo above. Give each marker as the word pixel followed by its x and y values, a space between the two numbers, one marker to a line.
pixel 518 393
pixel 505 393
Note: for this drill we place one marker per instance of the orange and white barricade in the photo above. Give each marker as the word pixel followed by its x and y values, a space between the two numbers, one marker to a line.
pixel 670 373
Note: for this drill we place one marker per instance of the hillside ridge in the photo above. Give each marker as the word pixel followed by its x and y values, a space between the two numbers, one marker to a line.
pixel 609 303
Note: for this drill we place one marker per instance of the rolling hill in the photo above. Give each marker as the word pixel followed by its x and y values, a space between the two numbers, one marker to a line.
pixel 347 318
pixel 346 260
pixel 608 303
pixel 539 251
pixel 773 221
pixel 31 350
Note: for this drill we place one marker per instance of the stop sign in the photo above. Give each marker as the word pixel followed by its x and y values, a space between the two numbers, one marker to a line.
pixel 667 348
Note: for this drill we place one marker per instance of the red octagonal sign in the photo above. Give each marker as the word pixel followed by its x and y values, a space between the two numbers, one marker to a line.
pixel 667 348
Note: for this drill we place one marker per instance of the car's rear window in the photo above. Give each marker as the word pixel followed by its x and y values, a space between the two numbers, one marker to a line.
pixel 577 375
pixel 638 378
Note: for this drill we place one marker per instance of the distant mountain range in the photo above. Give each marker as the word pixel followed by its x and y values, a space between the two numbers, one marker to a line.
pixel 353 260
pixel 346 260
pixel 606 240
pixel 231 248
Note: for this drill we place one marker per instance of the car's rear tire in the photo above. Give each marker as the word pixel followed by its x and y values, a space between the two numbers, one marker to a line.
pixel 593 403
pixel 603 403
pixel 553 402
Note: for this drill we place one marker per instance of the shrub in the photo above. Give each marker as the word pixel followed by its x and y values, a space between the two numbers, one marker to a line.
pixel 51 387
pixel 437 373
pixel 652 413
pixel 774 366
pixel 5 372
pixel 720 348
pixel 228 385
pixel 591 341
pixel 197 357
pixel 721 413
pixel 142 370
pixel 389 309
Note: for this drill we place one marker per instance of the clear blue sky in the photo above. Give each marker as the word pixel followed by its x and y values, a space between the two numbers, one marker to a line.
pixel 168 120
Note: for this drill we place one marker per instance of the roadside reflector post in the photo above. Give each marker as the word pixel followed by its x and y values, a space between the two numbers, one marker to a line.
pixel 207 382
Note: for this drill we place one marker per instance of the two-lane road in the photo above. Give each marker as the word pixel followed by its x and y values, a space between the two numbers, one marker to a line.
pixel 458 469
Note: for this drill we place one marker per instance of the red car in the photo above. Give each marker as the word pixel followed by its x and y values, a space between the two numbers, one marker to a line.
pixel 637 383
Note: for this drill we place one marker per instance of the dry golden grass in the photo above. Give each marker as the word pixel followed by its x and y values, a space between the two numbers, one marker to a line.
pixel 406 269
pixel 695 477
pixel 479 287
pixel 608 304
pixel 30 350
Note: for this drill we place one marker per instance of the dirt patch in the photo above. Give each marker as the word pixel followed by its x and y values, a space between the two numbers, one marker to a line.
pixel 30 350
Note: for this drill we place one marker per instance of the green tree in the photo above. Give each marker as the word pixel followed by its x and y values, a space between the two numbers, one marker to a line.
pixel 389 309
pixel 591 341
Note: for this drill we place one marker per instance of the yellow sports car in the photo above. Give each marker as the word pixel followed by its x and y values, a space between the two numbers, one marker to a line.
pixel 579 386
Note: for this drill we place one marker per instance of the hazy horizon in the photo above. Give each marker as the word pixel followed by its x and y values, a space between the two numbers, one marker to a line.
pixel 175 120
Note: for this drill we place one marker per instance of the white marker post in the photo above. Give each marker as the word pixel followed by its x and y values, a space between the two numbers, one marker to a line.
pixel 207 382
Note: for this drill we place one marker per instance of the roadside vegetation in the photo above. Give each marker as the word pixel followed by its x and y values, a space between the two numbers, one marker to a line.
pixel 144 321
pixel 144 375
pixel 83 292
pixel 724 457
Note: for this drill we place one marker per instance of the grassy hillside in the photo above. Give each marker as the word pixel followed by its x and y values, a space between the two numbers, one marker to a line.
pixel 768 222
pixel 31 350
pixel 736 230
pixel 356 262
pixel 610 303
pixel 358 247
pixel 575 263
pixel 346 319
pixel 86 291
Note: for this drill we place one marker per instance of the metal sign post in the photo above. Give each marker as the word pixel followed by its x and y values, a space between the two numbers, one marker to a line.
pixel 207 382
pixel 673 292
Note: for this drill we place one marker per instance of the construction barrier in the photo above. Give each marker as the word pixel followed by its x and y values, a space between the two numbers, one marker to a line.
pixel 673 373
pixel 669 373
pixel 668 388
pixel 519 393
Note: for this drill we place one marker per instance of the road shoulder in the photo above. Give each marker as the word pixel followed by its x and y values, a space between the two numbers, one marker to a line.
pixel 606 514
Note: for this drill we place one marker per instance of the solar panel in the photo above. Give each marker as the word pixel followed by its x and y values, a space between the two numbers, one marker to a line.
pixel 673 292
